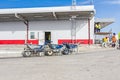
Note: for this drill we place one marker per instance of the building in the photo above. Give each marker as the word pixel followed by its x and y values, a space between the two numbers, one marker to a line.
pixel 58 24
pixel 73 24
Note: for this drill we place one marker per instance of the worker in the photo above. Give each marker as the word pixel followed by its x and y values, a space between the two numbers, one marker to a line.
pixel 119 39
pixel 105 42
pixel 97 27
pixel 114 40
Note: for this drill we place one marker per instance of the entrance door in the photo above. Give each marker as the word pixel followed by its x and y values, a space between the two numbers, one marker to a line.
pixel 48 37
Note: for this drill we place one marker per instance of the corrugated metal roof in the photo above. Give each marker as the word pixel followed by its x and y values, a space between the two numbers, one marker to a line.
pixel 47 13
pixel 104 21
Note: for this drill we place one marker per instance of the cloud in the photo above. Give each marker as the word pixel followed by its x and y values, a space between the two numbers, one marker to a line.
pixel 84 2
pixel 112 2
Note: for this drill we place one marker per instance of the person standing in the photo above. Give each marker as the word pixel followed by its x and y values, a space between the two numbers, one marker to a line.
pixel 97 27
pixel 114 40
pixel 119 39
pixel 105 42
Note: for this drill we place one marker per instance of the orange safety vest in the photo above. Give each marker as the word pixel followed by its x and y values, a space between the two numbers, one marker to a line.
pixel 113 39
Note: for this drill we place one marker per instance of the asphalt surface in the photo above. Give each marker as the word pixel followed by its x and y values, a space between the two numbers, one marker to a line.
pixel 94 65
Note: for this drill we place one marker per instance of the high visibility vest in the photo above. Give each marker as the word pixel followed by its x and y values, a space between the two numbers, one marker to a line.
pixel 98 26
pixel 105 39
pixel 119 35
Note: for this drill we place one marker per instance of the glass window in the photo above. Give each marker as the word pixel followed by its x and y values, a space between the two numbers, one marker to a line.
pixel 32 35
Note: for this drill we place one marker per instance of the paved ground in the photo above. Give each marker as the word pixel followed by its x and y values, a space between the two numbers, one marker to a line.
pixel 94 65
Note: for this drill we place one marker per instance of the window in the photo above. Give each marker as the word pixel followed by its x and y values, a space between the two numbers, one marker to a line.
pixel 32 35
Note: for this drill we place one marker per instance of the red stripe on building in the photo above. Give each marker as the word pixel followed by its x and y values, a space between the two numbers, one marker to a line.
pixel 60 41
pixel 18 41
pixel 80 41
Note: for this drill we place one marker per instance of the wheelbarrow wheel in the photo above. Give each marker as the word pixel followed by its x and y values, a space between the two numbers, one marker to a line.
pixel 49 53
pixel 26 54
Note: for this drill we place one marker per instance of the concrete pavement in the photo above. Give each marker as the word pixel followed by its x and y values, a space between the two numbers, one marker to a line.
pixel 94 65
pixel 16 50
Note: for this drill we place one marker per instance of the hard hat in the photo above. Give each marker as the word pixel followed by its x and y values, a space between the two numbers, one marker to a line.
pixel 114 34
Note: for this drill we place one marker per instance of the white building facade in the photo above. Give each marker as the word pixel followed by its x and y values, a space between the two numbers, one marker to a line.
pixel 57 24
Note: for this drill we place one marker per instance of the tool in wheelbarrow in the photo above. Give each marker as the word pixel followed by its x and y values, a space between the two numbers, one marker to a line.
pixel 31 50
pixel 53 49
pixel 68 48
pixel 56 49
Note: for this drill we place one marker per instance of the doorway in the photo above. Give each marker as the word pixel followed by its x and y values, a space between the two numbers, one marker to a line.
pixel 48 37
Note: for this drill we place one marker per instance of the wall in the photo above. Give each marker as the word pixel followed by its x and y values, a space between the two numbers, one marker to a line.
pixel 60 30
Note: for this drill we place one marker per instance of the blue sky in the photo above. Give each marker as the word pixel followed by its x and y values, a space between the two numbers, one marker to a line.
pixel 104 8
pixel 109 9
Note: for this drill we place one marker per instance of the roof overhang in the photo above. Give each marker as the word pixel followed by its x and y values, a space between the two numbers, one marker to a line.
pixel 47 13
pixel 104 21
